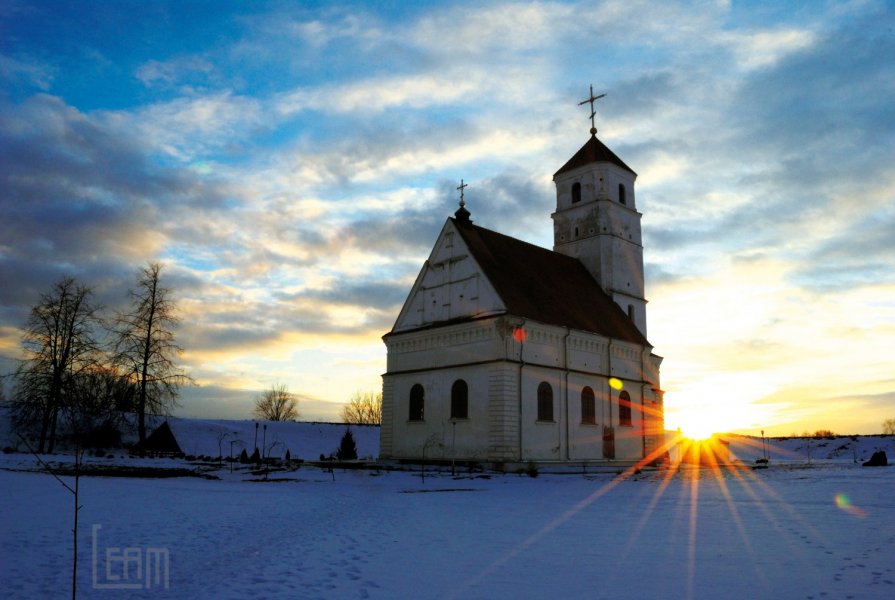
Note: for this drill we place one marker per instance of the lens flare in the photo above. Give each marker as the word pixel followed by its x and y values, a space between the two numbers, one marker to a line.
pixel 519 334
pixel 699 430
pixel 616 383
pixel 844 502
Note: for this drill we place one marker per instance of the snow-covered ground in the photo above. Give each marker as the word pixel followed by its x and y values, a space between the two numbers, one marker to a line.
pixel 797 450
pixel 303 440
pixel 213 437
pixel 797 530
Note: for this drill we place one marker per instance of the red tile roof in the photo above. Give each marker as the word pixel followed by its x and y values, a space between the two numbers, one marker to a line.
pixel 593 151
pixel 546 286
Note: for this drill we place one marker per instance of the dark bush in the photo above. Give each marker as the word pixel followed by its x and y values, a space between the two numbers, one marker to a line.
pixel 104 436
pixel 878 459
pixel 347 448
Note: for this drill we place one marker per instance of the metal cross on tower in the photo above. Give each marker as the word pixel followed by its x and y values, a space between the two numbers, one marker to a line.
pixel 462 187
pixel 591 100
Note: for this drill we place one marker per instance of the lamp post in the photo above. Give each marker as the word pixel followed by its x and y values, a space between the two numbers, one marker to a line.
pixel 256 436
pixel 264 447
pixel 231 450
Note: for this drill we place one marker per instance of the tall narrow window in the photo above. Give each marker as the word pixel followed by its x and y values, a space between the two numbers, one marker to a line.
pixel 624 409
pixel 545 402
pixel 460 400
pixel 588 406
pixel 621 194
pixel 417 403
pixel 576 192
pixel 631 311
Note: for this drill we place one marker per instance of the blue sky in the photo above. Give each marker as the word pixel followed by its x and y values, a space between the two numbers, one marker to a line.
pixel 292 165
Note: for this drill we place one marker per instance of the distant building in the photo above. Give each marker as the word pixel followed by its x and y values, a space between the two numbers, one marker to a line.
pixel 506 353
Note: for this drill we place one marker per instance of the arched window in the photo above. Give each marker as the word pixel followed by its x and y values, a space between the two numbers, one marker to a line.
pixel 588 406
pixel 545 402
pixel 621 193
pixel 624 409
pixel 576 192
pixel 459 400
pixel 417 402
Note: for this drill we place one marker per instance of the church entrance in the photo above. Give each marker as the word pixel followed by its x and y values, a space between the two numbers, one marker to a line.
pixel 608 442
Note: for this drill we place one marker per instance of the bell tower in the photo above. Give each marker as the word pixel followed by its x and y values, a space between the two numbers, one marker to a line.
pixel 596 221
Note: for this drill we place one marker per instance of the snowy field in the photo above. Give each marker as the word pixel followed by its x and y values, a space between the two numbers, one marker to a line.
pixel 814 525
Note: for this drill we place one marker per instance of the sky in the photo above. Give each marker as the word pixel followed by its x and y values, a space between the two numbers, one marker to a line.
pixel 291 165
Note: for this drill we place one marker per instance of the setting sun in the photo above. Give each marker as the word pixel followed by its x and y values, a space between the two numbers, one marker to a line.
pixel 698 430
pixel 719 403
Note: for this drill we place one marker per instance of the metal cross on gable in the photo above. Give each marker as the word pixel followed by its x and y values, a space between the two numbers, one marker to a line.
pixel 591 100
pixel 462 187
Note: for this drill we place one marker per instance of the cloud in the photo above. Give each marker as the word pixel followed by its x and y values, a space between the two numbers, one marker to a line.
pixel 219 402
pixel 27 71
pixel 762 49
pixel 80 199
pixel 498 31
pixel 380 93
pixel 196 126
pixel 293 171
pixel 155 73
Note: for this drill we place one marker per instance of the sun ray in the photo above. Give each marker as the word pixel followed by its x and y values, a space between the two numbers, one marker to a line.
pixel 691 531
pixel 565 516
pixel 706 465
pixel 721 479
pixel 667 476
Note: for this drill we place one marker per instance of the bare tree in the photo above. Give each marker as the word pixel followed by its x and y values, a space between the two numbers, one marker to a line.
pixel 889 427
pixel 363 408
pixel 98 397
pixel 146 348
pixel 59 343
pixel 276 404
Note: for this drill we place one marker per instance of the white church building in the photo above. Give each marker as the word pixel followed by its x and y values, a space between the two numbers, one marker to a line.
pixel 506 353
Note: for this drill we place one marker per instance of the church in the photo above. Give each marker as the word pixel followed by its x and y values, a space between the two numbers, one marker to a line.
pixel 506 354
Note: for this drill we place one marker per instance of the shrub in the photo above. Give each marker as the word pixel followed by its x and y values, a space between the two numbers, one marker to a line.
pixel 347 448
pixel 104 436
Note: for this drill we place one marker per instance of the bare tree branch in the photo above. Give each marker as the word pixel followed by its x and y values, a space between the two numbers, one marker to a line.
pixel 276 404
pixel 146 348
pixel 363 408
pixel 59 342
